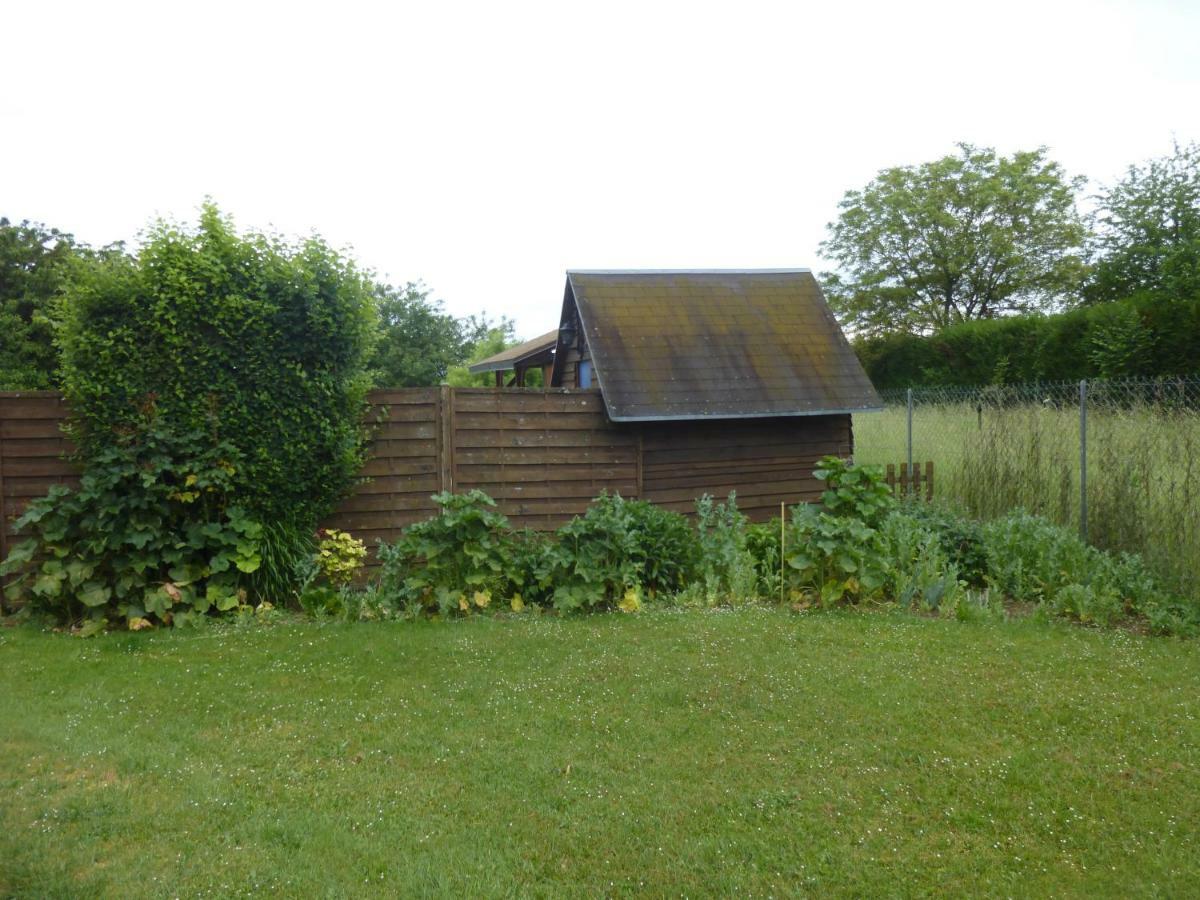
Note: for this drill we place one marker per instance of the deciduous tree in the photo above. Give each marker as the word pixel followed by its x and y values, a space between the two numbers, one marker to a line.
pixel 1148 231
pixel 970 236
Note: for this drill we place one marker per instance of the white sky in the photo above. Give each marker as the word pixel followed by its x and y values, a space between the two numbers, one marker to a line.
pixel 486 148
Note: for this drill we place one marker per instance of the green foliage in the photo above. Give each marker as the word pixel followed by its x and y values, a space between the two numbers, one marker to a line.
pixel 1142 335
pixel 419 343
pixel 484 338
pixel 615 551
pixel 248 339
pixel 1120 346
pixel 920 574
pixel 763 544
pixel 959 537
pixel 455 562
pixel 1147 239
pixel 152 535
pixel 340 556
pixel 854 491
pixel 969 236
pixel 728 569
pixel 1031 559
pixel 833 558
pixel 287 552
pixel 36 264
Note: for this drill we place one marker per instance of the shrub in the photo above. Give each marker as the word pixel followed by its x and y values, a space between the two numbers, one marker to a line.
pixel 833 558
pixel 215 382
pixel 144 538
pixel 1031 559
pixel 1144 335
pixel 458 560
pixel 247 339
pixel 615 551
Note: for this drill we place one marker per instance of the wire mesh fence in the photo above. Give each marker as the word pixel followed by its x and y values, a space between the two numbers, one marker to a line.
pixel 1115 458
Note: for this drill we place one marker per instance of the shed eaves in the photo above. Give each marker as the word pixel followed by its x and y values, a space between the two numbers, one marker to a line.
pixel 702 344
pixel 507 359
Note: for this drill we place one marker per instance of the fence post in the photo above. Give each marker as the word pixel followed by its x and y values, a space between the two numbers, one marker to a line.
pixel 908 398
pixel 1083 511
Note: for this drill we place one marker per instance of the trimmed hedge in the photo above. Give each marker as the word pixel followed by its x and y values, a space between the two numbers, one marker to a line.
pixel 1140 336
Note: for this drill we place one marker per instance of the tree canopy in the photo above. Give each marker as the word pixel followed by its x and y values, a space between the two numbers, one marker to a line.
pixel 970 236
pixel 418 341
pixel 35 263
pixel 1147 231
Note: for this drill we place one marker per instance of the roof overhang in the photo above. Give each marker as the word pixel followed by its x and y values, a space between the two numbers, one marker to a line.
pixel 514 357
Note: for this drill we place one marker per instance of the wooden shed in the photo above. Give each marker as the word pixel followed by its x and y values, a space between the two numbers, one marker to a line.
pixel 728 379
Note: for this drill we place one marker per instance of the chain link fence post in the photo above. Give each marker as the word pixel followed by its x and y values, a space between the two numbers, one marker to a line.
pixel 1083 511
pixel 908 400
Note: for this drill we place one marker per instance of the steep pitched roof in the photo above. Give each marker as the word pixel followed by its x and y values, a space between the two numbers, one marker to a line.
pixel 709 344
pixel 508 359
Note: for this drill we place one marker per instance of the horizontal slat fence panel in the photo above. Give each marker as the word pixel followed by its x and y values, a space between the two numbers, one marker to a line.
pixel 32 454
pixel 401 473
pixel 543 455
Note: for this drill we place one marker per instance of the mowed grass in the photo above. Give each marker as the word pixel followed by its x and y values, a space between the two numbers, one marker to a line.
pixel 753 751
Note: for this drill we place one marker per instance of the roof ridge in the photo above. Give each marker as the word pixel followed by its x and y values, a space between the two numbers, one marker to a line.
pixel 793 271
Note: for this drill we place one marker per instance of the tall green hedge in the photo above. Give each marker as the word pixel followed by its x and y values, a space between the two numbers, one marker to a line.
pixel 256 342
pixel 1142 336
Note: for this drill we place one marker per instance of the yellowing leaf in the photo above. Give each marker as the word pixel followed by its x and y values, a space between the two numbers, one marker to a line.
pixel 517 602
pixel 137 623
pixel 190 480
pixel 482 599
pixel 632 601
pixel 462 603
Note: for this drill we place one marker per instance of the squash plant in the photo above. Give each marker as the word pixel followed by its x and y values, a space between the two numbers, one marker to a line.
pixel 836 552
pixel 149 537
pixel 456 561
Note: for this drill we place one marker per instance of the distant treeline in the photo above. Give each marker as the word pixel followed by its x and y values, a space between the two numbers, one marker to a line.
pixel 1143 336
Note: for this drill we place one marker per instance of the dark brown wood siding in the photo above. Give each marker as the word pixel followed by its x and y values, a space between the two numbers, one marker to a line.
pixel 765 461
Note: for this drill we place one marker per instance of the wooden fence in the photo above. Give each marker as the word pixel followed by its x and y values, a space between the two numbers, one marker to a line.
pixel 905 484
pixel 543 455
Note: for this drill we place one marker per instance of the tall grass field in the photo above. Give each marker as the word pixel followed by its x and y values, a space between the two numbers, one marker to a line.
pixel 1143 492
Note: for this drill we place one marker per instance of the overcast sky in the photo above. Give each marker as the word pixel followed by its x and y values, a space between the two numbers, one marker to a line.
pixel 485 149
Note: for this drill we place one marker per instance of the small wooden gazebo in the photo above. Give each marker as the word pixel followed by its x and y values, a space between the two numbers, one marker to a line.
pixel 535 354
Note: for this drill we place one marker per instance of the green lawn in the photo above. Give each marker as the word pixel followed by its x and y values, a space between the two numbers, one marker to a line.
pixel 751 751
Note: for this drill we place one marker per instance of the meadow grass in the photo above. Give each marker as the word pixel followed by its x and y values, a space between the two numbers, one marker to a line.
pixel 1143 471
pixel 749 751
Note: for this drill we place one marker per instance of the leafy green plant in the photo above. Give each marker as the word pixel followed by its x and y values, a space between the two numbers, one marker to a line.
pixel 287 551
pixel 763 544
pixel 457 561
pixel 728 570
pixel 340 556
pixel 598 559
pixel 1099 605
pixel 151 535
pixel 833 558
pixel 853 491
pixel 1031 559
pixel 245 338
pixel 920 575
pixel 960 538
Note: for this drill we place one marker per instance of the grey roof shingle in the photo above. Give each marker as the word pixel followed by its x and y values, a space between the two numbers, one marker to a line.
pixel 704 344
